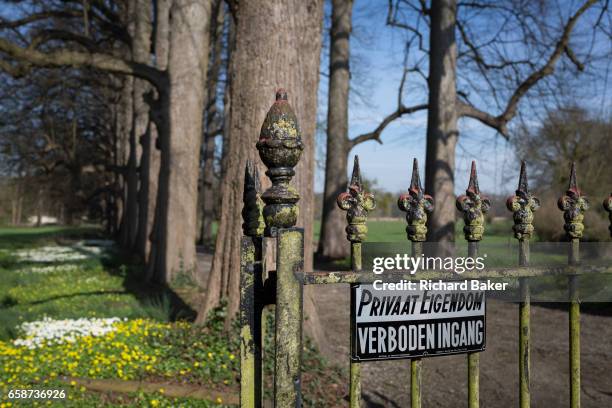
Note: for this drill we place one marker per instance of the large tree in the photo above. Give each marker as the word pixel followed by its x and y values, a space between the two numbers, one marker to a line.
pixel 285 54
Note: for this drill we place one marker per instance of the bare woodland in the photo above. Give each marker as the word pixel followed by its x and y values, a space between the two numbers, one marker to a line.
pixel 142 114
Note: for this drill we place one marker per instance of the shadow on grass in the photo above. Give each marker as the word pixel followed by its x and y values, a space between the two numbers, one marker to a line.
pixel 20 237
pixel 156 301
pixel 157 298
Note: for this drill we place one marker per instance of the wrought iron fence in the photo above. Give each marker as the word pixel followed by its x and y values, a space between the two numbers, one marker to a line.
pixel 273 215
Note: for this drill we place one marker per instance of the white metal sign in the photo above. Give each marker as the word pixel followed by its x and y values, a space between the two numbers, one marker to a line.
pixel 390 324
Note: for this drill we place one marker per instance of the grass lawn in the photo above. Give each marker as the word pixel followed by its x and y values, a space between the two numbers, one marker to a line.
pixel 75 316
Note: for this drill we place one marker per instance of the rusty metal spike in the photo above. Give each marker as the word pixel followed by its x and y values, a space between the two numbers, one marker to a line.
pixel 573 183
pixel 415 183
pixel 473 185
pixel 356 176
pixel 523 185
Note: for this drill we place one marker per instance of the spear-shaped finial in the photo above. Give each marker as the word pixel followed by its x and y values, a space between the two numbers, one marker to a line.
pixel 473 184
pixel 415 182
pixel 523 185
pixel 523 205
pixel 357 203
pixel 253 224
pixel 356 175
pixel 573 183
pixel 473 206
pixel 573 204
pixel 417 205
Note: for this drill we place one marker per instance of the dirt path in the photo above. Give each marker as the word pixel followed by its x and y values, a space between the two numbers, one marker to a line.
pixel 387 384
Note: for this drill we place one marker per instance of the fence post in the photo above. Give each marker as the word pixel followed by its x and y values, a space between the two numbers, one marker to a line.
pixel 417 205
pixel 523 204
pixel 574 204
pixel 357 203
pixel 251 269
pixel 473 206
pixel 280 147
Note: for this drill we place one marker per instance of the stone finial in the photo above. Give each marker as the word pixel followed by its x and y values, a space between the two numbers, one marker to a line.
pixel 523 204
pixel 253 225
pixel 417 205
pixel 474 206
pixel 356 202
pixel 280 147
pixel 608 207
pixel 573 204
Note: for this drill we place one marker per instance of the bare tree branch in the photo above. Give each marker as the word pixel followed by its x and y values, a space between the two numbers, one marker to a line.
pixel 63 58
pixel 570 54
pixel 375 134
pixel 562 47
pixel 496 122
pixel 549 66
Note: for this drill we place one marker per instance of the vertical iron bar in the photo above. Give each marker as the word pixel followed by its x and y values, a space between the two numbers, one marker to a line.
pixel 474 206
pixel 524 329
pixel 574 204
pixel 355 368
pixel 289 294
pixel 356 202
pixel 474 357
pixel 416 204
pixel 523 205
pixel 250 323
pixel 574 327
pixel 416 363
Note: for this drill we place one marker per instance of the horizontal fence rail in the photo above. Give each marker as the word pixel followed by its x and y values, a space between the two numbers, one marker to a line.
pixel 327 277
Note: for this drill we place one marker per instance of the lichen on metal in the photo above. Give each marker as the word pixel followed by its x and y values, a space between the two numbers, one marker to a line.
pixel 280 147
pixel 523 204
pixel 289 296
pixel 417 205
pixel 253 225
pixel 357 203
pixel 573 204
pixel 474 206
pixel 607 204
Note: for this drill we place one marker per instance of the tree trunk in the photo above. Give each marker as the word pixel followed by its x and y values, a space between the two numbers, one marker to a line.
pixel 182 107
pixel 141 52
pixel 212 122
pixel 39 207
pixel 442 131
pixel 285 54
pixel 333 243
pixel 17 205
pixel 125 142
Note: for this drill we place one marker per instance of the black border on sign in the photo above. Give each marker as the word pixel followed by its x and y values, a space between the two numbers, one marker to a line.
pixel 356 359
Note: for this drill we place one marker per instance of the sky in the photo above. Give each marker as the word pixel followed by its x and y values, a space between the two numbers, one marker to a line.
pixel 380 55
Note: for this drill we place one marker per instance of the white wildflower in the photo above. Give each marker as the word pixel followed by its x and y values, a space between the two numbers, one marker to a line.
pixel 78 252
pixel 50 331
pixel 66 268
